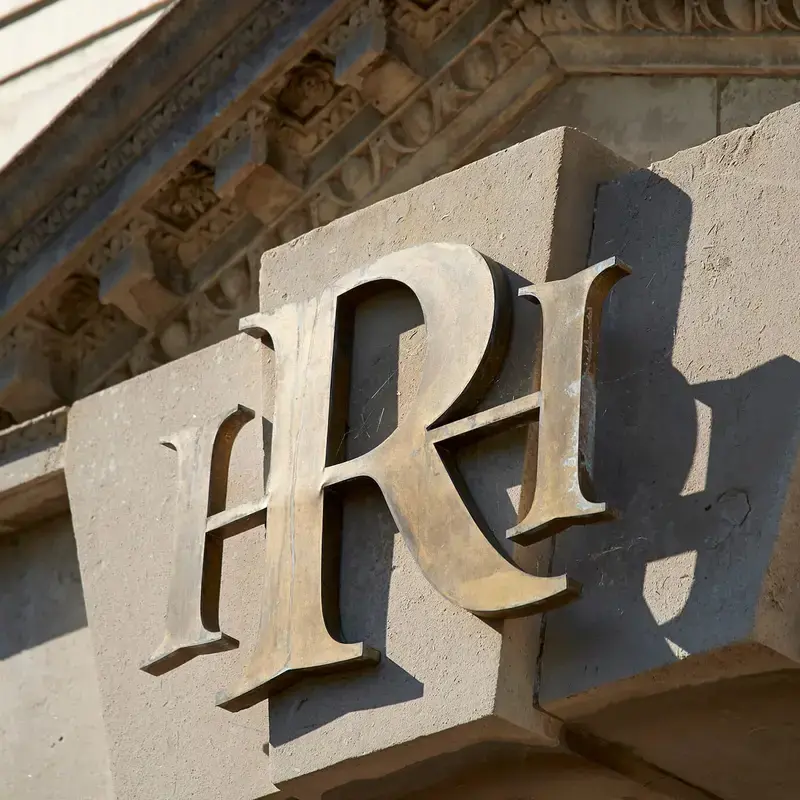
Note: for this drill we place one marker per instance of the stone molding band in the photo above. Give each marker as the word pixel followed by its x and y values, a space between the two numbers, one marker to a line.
pixel 304 113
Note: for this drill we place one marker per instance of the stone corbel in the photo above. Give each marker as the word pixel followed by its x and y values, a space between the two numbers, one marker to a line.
pixel 368 61
pixel 130 282
pixel 746 37
pixel 26 388
pixel 263 178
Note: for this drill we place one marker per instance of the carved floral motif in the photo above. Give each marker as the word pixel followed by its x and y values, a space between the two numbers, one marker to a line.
pixel 115 244
pixel 306 139
pixel 255 118
pixel 226 213
pixel 419 120
pixel 309 88
pixel 426 22
pixel 368 10
pixel 186 198
pixel 666 16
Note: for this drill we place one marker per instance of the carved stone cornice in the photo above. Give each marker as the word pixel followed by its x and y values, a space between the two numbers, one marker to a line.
pixel 304 112
pixel 661 16
pixel 202 79
pixel 668 36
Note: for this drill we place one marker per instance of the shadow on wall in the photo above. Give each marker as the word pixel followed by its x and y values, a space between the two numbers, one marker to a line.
pixel 699 472
pixel 41 596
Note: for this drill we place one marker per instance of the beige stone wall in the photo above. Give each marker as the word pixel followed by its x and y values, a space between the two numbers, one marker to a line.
pixel 51 731
pixel 52 742
pixel 646 119
pixel 50 52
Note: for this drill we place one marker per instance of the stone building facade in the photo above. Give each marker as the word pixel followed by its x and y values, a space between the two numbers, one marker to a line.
pixel 153 151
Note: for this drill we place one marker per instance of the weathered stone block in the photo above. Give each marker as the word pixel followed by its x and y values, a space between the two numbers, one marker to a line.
pixel 447 679
pixel 685 644
pixel 130 283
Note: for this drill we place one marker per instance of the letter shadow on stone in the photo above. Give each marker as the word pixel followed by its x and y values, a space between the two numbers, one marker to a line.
pixel 709 501
pixel 41 596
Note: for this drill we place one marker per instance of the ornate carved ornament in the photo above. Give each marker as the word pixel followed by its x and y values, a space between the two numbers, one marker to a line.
pixel 368 109
pixel 663 16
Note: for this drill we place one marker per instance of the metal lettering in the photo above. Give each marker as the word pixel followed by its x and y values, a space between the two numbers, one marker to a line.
pixel 459 291
pixel 571 311
pixel 204 454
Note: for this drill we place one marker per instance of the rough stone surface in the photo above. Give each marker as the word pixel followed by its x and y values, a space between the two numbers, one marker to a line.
pixel 744 101
pixel 445 672
pixel 698 443
pixel 736 738
pixel 165 734
pixel 641 118
pixel 52 741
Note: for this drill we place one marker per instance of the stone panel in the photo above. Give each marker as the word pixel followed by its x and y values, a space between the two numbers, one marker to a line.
pixel 165 734
pixel 744 101
pixel 52 740
pixel 694 588
pixel 644 119
pixel 447 679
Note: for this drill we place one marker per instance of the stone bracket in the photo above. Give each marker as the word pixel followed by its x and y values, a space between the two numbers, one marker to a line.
pixel 129 282
pixel 369 62
pixel 264 179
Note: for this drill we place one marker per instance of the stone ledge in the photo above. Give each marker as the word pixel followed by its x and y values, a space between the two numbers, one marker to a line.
pixel 666 54
pixel 32 486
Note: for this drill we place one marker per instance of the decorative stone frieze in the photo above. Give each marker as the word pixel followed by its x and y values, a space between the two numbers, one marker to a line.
pixel 203 78
pixel 383 95
pixel 663 16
